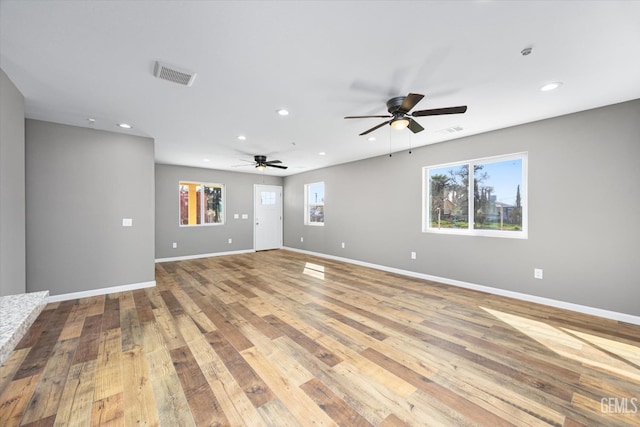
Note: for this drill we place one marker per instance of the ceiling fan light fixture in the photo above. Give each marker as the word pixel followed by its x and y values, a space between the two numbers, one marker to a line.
pixel 261 167
pixel 400 123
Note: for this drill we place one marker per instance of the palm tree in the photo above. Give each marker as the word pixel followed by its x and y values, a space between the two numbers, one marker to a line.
pixel 439 183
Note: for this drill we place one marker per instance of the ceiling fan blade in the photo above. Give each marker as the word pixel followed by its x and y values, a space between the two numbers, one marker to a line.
pixel 440 111
pixel 249 163
pixel 277 166
pixel 415 126
pixel 273 161
pixel 386 116
pixel 410 101
pixel 375 127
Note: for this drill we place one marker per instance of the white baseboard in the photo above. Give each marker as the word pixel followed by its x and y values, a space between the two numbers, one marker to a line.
pixel 101 291
pixel 622 317
pixel 186 257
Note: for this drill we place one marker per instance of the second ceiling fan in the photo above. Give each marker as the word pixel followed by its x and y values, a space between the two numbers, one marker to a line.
pixel 261 163
pixel 400 118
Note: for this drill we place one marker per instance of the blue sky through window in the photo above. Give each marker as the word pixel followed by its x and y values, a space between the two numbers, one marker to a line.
pixel 504 177
pixel 315 193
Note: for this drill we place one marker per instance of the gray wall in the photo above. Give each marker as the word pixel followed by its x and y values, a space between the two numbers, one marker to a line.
pixel 199 240
pixel 12 189
pixel 584 211
pixel 80 184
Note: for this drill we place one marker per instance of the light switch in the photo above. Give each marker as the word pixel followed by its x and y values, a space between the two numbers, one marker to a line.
pixel 245 216
pixel 236 216
pixel 127 222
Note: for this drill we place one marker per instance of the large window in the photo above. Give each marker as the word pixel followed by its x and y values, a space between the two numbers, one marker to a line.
pixel 201 204
pixel 314 203
pixel 480 197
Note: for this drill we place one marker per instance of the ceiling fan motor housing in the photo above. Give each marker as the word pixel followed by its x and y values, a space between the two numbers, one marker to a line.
pixel 394 104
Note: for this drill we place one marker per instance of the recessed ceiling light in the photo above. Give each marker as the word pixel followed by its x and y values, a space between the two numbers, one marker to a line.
pixel 322 153
pixel 124 125
pixel 242 137
pixel 551 86
pixel 91 120
pixel 371 138
pixel 206 160
pixel 282 112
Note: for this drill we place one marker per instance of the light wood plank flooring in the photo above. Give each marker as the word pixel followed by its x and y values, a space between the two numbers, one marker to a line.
pixel 279 338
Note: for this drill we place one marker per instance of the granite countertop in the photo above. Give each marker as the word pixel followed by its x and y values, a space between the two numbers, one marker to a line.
pixel 17 313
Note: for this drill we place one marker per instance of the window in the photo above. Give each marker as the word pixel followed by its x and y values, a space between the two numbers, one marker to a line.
pixel 267 198
pixel 479 197
pixel 314 203
pixel 201 204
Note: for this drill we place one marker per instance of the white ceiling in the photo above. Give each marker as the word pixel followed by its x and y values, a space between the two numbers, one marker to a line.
pixel 321 60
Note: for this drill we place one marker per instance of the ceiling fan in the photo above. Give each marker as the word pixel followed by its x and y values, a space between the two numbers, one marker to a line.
pixel 400 118
pixel 261 163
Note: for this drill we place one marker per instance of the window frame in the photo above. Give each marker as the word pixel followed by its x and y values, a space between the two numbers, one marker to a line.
pixel 307 205
pixel 470 230
pixel 201 213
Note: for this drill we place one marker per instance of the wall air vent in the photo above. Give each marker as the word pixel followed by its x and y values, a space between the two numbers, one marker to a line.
pixel 173 74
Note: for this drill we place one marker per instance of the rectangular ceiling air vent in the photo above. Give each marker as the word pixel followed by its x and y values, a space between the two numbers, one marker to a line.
pixel 173 74
pixel 452 129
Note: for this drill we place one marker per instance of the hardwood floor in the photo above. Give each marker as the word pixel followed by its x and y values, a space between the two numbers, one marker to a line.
pixel 279 338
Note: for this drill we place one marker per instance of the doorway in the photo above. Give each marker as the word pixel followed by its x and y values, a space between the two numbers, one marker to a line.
pixel 267 209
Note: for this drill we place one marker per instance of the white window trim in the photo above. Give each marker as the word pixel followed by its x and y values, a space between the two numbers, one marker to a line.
pixel 524 194
pixel 201 213
pixel 306 205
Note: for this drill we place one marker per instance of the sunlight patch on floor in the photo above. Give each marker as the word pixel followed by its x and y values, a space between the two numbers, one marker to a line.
pixel 625 351
pixel 314 270
pixel 584 348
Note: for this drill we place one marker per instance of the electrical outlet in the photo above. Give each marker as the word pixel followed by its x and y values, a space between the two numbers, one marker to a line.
pixel 301 239
pixel 230 240
pixel 537 273
pixel 413 255
pixel 342 245
pixel 175 245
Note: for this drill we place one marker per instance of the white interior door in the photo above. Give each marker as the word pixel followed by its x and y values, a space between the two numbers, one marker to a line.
pixel 267 209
